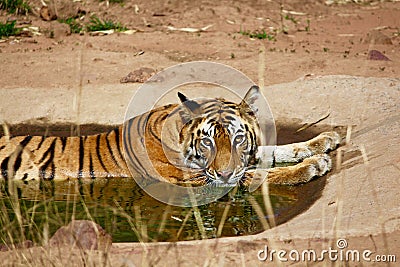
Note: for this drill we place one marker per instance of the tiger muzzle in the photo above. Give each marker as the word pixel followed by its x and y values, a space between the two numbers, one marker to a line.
pixel 224 175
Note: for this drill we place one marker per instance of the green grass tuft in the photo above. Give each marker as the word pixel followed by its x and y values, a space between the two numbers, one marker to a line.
pixel 259 35
pixel 292 19
pixel 97 24
pixel 74 25
pixel 8 29
pixel 15 6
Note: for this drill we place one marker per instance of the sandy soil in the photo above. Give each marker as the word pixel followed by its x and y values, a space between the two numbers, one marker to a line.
pixel 337 40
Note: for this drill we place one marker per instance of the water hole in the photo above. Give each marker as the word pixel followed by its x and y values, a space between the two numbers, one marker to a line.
pixel 35 210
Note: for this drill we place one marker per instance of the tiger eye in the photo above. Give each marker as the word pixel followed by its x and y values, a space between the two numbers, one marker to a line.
pixel 238 139
pixel 206 141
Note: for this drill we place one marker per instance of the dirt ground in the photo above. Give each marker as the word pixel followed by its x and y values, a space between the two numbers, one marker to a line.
pixel 309 38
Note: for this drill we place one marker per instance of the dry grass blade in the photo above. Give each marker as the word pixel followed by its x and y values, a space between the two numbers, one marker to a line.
pixel 348 134
pixel 6 130
pixel 261 67
pixel 225 213
pixel 268 204
pixel 139 224
pixel 375 197
pixel 13 192
pixel 190 212
pixel 308 125
pixel 223 219
pixel 164 219
pixel 197 215
pixel 187 29
pixel 259 212
pixel 132 223
pixel 199 222
pixel 337 221
pixel 291 12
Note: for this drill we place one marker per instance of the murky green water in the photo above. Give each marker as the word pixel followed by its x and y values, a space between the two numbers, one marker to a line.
pixel 36 210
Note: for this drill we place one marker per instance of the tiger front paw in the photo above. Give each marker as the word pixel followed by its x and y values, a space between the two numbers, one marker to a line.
pixel 312 167
pixel 317 165
pixel 325 142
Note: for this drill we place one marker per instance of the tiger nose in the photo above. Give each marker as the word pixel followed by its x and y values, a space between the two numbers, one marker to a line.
pixel 225 175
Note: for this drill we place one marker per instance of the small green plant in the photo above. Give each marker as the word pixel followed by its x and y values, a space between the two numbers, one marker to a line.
pixel 291 18
pixel 308 27
pixel 15 6
pixel 97 24
pixel 74 26
pixel 8 29
pixel 258 35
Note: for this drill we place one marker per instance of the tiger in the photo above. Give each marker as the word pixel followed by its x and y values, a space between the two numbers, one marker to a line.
pixel 197 142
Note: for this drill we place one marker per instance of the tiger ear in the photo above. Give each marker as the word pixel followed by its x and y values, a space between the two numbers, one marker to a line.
pixel 247 104
pixel 191 106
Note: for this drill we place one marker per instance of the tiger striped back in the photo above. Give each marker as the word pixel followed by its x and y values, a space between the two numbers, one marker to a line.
pixel 38 157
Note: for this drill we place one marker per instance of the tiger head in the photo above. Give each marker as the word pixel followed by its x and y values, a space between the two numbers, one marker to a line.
pixel 219 138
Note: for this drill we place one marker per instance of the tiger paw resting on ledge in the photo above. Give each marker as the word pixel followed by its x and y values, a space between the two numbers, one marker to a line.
pixel 206 141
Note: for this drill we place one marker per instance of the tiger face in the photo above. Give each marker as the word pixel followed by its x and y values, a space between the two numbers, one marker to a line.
pixel 220 138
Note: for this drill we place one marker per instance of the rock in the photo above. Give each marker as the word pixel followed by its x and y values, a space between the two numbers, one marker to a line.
pixel 376 37
pixel 61 9
pixel 82 234
pixel 376 55
pixel 47 13
pixel 70 9
pixel 138 76
pixel 24 244
pixel 57 30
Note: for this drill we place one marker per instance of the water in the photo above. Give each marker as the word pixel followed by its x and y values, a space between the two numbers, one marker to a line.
pixel 36 210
